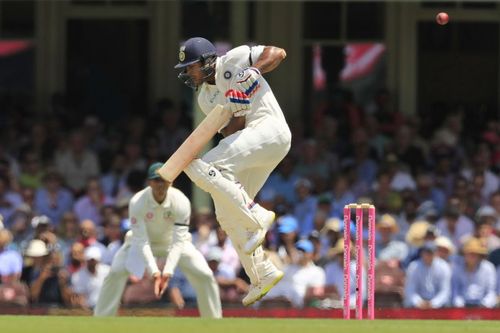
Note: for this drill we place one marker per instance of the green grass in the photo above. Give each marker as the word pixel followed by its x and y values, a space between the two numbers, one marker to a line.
pixel 54 324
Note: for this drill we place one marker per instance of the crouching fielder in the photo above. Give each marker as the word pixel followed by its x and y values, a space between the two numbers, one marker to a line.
pixel 159 216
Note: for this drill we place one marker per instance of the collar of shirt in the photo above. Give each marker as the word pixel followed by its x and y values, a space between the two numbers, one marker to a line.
pixel 154 204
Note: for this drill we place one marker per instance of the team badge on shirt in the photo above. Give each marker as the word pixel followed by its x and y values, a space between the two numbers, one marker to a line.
pixel 149 215
pixel 167 215
pixel 133 220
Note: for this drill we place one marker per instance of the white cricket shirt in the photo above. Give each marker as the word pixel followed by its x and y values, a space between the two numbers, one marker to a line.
pixel 228 66
pixel 160 229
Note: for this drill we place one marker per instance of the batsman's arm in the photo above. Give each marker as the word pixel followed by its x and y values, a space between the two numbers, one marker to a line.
pixel 270 58
pixel 217 118
pixel 234 125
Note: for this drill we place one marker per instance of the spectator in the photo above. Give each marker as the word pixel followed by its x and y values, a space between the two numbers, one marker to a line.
pixel 335 272
pixel 312 164
pixel 428 280
pixel 87 282
pixel 283 180
pixel 180 291
pixel 474 281
pixel 88 236
pixel 9 200
pixel 384 197
pixel 330 234
pixel 40 224
pixel 48 282
pixel 426 191
pixel 454 225
pixel 133 156
pixel 232 288
pixel 76 257
pixel 287 228
pixel 52 199
pixel 31 171
pixel 89 206
pixel 77 164
pixel 407 152
pixel 67 233
pixel 485 228
pixel 305 208
pixel 446 250
pixel 229 256
pixel 114 181
pixel 340 195
pixel 480 164
pixel 11 262
pixel 171 133
pixel 113 239
pixel 299 277
pixel 387 247
pixel 204 235
pixel 495 203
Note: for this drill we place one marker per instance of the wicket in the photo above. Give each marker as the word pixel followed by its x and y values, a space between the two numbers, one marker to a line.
pixel 359 260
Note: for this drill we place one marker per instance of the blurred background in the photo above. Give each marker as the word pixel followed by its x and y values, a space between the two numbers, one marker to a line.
pixel 386 106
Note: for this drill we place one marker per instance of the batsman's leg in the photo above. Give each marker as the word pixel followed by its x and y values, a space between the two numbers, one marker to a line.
pixel 230 194
pixel 111 292
pixel 262 273
pixel 195 267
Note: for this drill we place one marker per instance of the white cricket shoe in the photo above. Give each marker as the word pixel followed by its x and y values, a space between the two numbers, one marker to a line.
pixel 267 283
pixel 257 238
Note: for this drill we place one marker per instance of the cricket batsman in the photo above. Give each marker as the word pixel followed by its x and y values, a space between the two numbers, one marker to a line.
pixel 257 138
pixel 159 218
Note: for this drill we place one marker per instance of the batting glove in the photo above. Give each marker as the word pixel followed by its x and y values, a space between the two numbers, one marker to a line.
pixel 248 81
pixel 238 102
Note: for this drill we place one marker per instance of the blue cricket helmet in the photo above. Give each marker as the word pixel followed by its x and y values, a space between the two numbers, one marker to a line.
pixel 195 49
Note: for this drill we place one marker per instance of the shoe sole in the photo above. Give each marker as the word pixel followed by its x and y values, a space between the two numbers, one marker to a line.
pixel 266 289
pixel 263 238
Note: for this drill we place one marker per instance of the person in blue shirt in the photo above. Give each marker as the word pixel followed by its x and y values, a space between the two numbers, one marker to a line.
pixel 53 200
pixel 428 280
pixel 305 208
pixel 474 280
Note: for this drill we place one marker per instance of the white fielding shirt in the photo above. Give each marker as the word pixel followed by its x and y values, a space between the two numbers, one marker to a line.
pixel 228 66
pixel 160 229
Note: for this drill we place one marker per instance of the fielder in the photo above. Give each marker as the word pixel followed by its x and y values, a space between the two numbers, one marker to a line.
pixel 257 138
pixel 159 217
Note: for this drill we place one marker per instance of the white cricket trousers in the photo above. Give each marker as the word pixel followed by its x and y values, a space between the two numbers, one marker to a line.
pixel 191 262
pixel 233 172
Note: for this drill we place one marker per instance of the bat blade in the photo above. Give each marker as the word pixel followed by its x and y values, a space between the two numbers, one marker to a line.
pixel 194 143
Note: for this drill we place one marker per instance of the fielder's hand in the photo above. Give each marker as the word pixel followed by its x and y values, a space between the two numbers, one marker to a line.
pixel 248 81
pixel 238 102
pixel 160 283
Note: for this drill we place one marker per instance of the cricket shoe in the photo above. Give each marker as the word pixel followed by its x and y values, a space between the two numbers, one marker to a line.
pixel 256 238
pixel 260 290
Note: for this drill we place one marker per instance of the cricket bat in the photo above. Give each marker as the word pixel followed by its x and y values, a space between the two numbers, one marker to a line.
pixel 194 143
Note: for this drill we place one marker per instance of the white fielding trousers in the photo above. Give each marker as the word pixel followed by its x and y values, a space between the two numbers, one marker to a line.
pixel 191 262
pixel 233 172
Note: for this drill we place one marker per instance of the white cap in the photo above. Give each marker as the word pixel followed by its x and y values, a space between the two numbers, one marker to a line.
pixel 214 253
pixel 92 252
pixel 42 219
pixel 445 242
pixel 484 211
pixel 36 248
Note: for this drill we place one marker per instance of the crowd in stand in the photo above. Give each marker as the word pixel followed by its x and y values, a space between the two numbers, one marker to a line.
pixel 66 179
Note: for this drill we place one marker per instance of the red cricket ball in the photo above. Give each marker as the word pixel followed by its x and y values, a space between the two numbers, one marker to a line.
pixel 442 18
